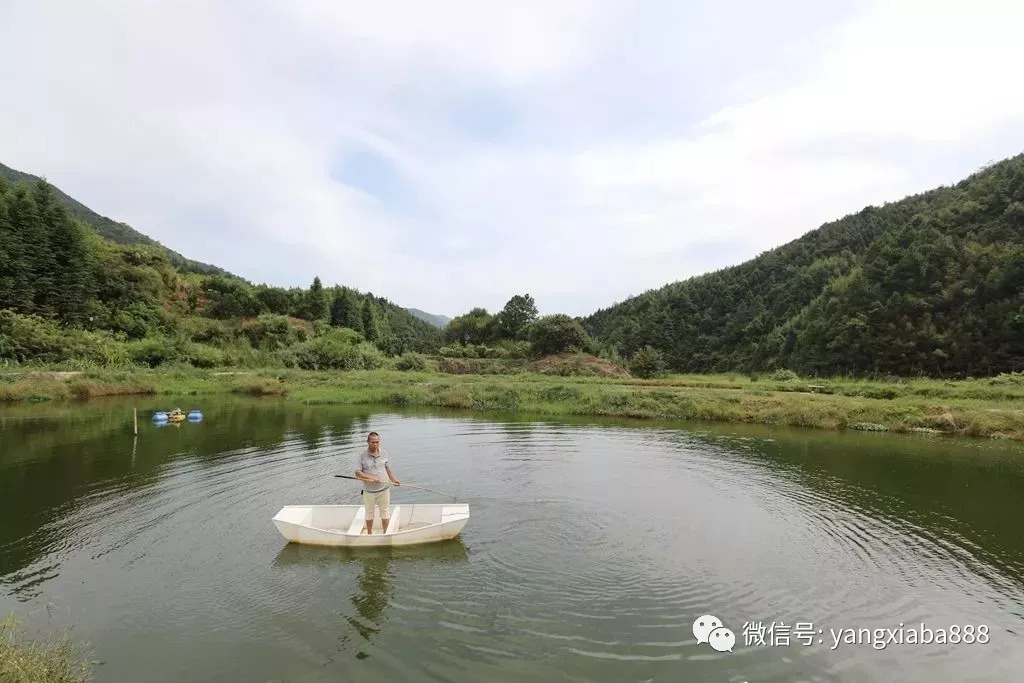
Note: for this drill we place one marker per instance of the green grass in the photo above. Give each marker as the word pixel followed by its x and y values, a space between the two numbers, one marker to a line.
pixel 992 407
pixel 53 661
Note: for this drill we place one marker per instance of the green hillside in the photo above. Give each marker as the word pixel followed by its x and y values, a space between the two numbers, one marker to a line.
pixel 67 295
pixel 120 233
pixel 930 285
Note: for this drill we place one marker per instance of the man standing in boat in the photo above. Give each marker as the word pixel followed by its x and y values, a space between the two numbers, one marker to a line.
pixel 374 470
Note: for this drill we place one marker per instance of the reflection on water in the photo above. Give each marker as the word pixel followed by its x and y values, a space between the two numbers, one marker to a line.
pixel 593 546
pixel 373 596
pixel 442 552
pixel 373 591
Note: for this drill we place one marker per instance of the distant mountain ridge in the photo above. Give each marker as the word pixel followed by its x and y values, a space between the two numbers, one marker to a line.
pixel 113 231
pixel 435 320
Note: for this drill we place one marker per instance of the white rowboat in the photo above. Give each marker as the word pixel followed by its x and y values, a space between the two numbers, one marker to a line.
pixel 345 525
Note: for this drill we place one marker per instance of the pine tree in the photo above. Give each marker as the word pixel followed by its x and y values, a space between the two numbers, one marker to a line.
pixel 25 239
pixel 48 213
pixel 73 284
pixel 316 301
pixel 371 328
pixel 339 311
pixel 346 310
pixel 9 253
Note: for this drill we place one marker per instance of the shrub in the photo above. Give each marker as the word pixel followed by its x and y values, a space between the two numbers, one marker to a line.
pixel 475 366
pixel 784 375
pixel 611 354
pixel 207 331
pixel 501 349
pixel 879 392
pixel 155 351
pixel 338 349
pixel 450 351
pixel 458 351
pixel 325 353
pixel 31 338
pixel 135 320
pixel 103 350
pixel 647 362
pixel 272 332
pixel 1012 378
pixel 201 356
pixel 370 357
pixel 411 361
pixel 262 387
pixel 454 366
pixel 513 348
pixel 287 357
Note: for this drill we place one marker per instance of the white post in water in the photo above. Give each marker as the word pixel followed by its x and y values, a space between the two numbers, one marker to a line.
pixel 135 420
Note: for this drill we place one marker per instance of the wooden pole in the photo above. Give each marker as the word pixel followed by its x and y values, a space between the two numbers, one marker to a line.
pixel 135 420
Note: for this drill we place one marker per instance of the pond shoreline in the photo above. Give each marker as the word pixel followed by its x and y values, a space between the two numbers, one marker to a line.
pixel 989 408
pixel 55 659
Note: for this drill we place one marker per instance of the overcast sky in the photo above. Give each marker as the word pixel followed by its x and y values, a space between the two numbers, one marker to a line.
pixel 449 154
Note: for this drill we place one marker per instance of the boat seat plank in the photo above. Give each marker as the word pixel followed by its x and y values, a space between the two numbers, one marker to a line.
pixel 393 519
pixel 359 522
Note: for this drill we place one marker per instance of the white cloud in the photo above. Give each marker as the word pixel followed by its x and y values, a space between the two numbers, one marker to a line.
pixel 633 162
pixel 511 43
pixel 765 171
pixel 934 72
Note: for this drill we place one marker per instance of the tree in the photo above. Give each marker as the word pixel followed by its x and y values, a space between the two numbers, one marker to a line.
pixel 339 311
pixel 470 328
pixel 519 312
pixel 556 334
pixel 353 316
pixel 229 298
pixel 24 239
pixel 14 269
pixel 45 278
pixel 371 327
pixel 316 302
pixel 274 299
pixel 72 285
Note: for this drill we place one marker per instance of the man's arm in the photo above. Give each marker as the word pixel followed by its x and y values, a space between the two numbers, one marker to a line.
pixel 391 475
pixel 362 476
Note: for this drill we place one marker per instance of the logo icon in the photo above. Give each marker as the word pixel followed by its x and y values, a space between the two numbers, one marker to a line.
pixel 710 629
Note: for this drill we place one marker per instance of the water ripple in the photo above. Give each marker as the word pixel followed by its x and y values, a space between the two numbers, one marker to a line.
pixel 599 544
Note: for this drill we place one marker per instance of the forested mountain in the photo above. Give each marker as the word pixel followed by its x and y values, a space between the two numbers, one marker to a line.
pixel 68 295
pixel 121 233
pixel 932 284
pixel 433 319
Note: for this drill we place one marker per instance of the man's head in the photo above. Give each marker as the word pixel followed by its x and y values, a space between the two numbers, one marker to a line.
pixel 373 441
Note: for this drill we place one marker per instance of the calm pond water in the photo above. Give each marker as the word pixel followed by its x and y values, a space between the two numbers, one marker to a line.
pixel 592 548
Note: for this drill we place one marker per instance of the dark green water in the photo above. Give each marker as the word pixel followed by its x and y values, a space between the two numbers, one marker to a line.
pixel 592 548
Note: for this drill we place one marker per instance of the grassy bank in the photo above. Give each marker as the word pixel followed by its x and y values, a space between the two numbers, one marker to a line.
pixel 24 661
pixel 991 407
